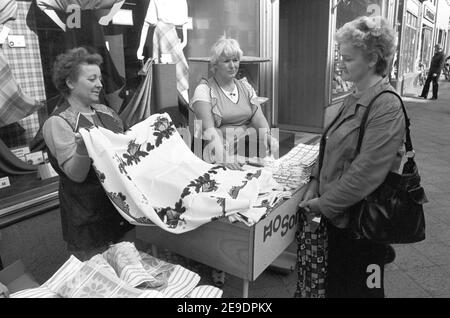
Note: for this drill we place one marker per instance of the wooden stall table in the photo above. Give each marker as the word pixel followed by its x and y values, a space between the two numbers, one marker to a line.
pixel 235 248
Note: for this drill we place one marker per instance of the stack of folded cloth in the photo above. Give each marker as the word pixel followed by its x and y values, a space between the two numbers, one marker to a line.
pixel 121 272
pixel 291 172
pixel 294 169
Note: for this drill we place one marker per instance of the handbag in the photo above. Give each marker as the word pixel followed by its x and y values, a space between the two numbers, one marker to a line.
pixel 393 213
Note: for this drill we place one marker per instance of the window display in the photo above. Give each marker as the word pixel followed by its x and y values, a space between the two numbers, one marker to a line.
pixel 409 43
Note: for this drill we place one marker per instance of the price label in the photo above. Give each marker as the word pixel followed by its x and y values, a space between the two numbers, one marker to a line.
pixel 4 182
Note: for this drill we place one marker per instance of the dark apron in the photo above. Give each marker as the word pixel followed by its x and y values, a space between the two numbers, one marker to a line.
pixel 88 218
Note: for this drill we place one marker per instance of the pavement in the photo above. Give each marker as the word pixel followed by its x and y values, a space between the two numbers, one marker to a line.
pixel 420 270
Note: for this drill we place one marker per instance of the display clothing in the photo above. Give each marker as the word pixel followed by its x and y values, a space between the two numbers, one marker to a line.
pixel 90 35
pixel 14 103
pixel 139 107
pixel 166 41
pixel 169 11
pixel 88 218
pixel 8 10
pixel 153 178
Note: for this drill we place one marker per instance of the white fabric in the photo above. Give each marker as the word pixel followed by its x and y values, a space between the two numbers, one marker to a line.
pixel 101 277
pixel 169 11
pixel 152 177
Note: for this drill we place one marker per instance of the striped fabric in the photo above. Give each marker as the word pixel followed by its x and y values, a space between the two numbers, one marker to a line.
pixel 205 292
pixel 181 282
pixel 40 292
pixel 166 41
pixel 26 68
pixel 14 104
pixel 8 10
pixel 125 259
pixel 97 278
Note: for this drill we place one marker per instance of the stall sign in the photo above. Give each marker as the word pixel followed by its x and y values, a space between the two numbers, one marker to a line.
pixel 280 226
pixel 429 15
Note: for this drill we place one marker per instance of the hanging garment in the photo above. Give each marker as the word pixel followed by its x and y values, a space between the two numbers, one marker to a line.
pixel 152 177
pixel 139 107
pixel 164 10
pixel 14 104
pixel 11 165
pixel 99 278
pixel 166 41
pixel 8 10
pixel 90 35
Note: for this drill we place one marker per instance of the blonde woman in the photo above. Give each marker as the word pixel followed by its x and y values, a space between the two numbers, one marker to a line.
pixel 367 45
pixel 225 105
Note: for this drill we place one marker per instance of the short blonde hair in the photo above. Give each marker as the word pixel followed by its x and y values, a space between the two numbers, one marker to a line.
pixel 374 36
pixel 225 47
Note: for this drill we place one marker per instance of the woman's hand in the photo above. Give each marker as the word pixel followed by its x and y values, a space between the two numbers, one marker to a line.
pixel 312 191
pixel 273 145
pixel 4 292
pixel 311 206
pixel 81 146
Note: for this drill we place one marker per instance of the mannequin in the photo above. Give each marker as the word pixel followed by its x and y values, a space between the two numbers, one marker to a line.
pixel 164 10
pixel 165 15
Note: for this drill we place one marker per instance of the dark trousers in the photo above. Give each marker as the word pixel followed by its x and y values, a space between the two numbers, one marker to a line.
pixel 349 261
pixel 426 87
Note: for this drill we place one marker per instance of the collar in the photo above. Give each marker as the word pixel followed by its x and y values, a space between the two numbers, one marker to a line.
pixel 366 96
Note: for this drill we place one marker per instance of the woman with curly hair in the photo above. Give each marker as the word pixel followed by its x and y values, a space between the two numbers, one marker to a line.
pixel 89 220
pixel 367 45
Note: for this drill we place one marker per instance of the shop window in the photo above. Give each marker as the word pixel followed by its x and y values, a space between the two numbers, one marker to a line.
pixel 346 11
pixel 427 43
pixel 409 43
pixel 213 18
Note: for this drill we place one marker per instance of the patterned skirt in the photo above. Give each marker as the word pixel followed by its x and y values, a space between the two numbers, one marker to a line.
pixel 312 256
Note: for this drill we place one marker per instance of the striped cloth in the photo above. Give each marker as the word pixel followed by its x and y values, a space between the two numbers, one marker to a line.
pixel 166 41
pixel 8 10
pixel 26 67
pixel 14 104
pixel 97 278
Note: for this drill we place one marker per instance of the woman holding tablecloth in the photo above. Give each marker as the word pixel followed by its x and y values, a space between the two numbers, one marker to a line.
pixel 89 220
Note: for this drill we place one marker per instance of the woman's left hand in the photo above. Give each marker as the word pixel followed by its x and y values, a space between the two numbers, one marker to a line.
pixel 273 145
pixel 311 206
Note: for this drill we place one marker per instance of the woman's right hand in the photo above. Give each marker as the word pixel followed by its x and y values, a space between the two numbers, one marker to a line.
pixel 81 146
pixel 4 292
pixel 311 192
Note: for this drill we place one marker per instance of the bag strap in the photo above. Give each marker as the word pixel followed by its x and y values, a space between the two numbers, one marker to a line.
pixel 408 143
